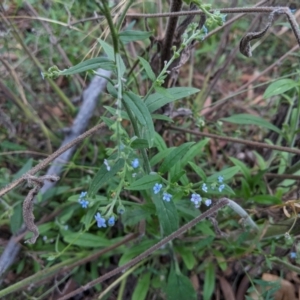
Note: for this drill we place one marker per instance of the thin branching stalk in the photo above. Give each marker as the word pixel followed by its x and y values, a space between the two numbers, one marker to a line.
pixel 236 140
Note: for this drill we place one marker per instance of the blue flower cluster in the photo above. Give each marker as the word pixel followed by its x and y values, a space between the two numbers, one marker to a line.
pixel 196 199
pixel 222 186
pixel 135 163
pixel 101 221
pixel 156 189
pixel 82 201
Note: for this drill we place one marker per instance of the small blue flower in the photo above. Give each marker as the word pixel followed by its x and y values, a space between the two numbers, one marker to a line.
pixel 100 220
pixel 107 165
pixel 221 187
pixel 111 221
pixel 135 163
pixel 220 179
pixel 204 187
pixel 205 30
pixel 167 197
pixel 157 188
pixel 82 195
pixel 207 202
pixel 84 203
pixel 293 255
pixel 196 198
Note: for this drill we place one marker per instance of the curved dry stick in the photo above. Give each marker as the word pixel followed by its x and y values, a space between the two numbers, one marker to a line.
pixel 43 164
pixel 245 46
pixel 28 215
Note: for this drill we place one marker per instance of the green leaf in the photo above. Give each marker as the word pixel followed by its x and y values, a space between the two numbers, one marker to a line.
pixel 16 220
pixel 26 167
pixel 144 183
pixel 139 248
pixel 11 146
pixel 139 144
pixel 163 91
pixel 113 111
pixel 142 287
pixel 266 200
pixel 162 117
pixel 133 216
pixel 176 172
pixel 261 162
pixel 157 100
pixel 109 122
pixel 187 257
pixel 90 64
pixel 137 107
pixel 209 281
pixel 112 90
pixel 147 68
pixel 193 151
pixel 279 87
pixel 108 49
pixel 128 36
pixel 179 287
pixel 159 156
pixel 174 157
pixel 227 174
pixel 220 259
pixel 247 119
pixel 120 65
pixel 142 114
pixel 86 240
pixel 159 142
pixel 243 167
pixel 167 214
pixel 198 170
pixel 103 176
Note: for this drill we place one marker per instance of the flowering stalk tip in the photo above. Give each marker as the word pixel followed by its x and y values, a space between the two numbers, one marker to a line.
pixel 100 221
pixel 157 187
pixel 135 163
pixel 167 197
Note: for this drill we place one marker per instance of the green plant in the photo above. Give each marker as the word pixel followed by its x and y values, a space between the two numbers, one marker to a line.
pixel 144 182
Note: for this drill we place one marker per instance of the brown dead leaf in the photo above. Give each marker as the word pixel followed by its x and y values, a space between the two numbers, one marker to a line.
pixel 286 291
pixel 226 288
pixel 195 281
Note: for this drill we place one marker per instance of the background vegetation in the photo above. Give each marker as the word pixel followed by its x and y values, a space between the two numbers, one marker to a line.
pixel 221 125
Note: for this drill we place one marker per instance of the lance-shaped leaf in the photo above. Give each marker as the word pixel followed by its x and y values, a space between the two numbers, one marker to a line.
pixel 174 157
pixel 157 100
pixel 103 176
pixel 142 114
pixel 167 214
pixel 89 64
pixel 144 183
